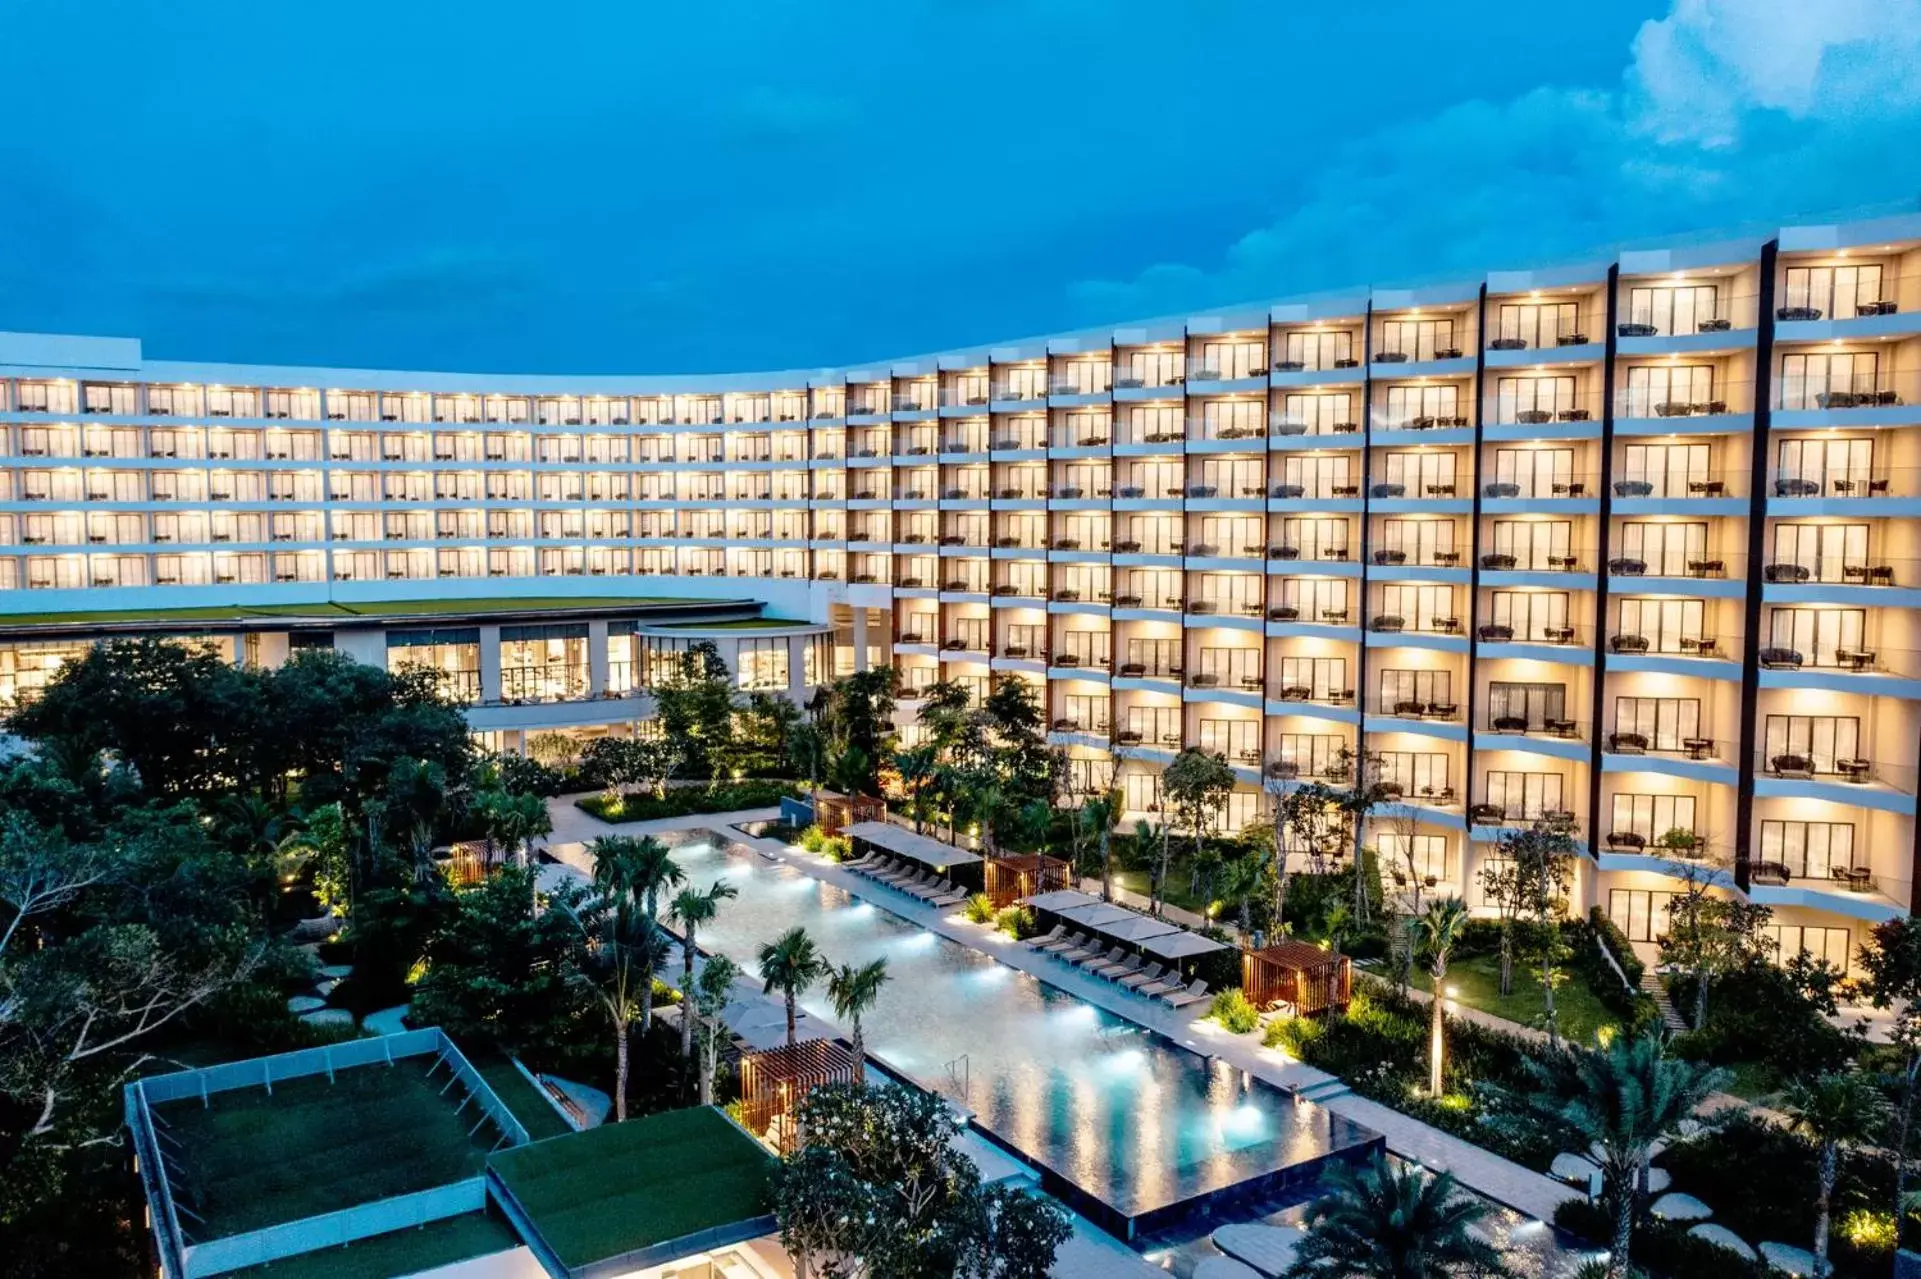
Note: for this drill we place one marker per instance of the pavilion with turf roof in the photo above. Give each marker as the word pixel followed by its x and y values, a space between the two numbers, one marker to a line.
pixel 393 1155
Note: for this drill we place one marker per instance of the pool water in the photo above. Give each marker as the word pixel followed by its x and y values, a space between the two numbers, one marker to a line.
pixel 1128 1117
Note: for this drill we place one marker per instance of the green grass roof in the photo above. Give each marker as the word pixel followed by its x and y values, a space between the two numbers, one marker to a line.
pixel 335 611
pixel 619 1188
pixel 739 624
pixel 400 1252
pixel 251 1158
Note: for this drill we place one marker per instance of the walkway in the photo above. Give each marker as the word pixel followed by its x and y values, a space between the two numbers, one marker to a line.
pixel 1502 1180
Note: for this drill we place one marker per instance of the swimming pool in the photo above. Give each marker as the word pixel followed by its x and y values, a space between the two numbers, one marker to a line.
pixel 1130 1127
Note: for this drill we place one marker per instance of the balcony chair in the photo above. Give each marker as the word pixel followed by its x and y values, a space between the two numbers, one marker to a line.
pixel 1628 743
pixel 1775 658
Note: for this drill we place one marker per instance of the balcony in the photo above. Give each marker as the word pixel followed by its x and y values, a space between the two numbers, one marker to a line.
pixel 1882 399
pixel 1859 783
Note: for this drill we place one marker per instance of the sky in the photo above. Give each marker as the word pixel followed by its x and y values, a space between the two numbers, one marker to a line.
pixel 617 186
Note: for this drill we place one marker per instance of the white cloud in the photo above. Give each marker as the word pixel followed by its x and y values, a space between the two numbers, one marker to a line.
pixel 1728 113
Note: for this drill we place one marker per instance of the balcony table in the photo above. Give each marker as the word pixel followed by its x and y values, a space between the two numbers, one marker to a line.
pixel 1560 727
pixel 1855 659
pixel 1859 879
pixel 1856 771
pixel 1698 747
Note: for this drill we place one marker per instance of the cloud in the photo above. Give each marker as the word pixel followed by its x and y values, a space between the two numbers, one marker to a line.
pixel 1728 112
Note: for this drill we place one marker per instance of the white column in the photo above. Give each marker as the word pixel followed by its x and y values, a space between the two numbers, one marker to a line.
pixel 490 664
pixel 860 638
pixel 596 659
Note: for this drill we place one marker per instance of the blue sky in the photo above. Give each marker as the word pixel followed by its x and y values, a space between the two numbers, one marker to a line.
pixel 611 186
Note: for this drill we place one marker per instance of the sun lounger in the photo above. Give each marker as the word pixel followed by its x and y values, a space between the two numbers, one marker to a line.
pixel 1086 948
pixel 1114 972
pixel 1145 977
pixel 1068 941
pixel 1046 939
pixel 1113 956
pixel 1167 985
pixel 1194 994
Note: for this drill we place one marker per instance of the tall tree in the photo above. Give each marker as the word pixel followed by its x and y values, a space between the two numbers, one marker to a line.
pixel 1377 1223
pixel 1891 960
pixel 1441 927
pixel 713 991
pixel 854 992
pixel 694 909
pixel 1198 783
pixel 1102 812
pixel 695 705
pixel 1542 857
pixel 1710 935
pixel 1834 1111
pixel 792 965
pixel 513 821
pixel 917 768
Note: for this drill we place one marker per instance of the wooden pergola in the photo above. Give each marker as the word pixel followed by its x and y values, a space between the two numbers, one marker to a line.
pixel 469 861
pixel 1296 974
pixel 1021 875
pixel 774 1081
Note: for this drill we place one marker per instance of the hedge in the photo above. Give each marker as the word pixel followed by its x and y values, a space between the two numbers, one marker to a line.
pixel 683 801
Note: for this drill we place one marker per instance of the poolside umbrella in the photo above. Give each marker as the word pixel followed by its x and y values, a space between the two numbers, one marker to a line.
pixel 1181 945
pixel 1097 916
pixel 1060 899
pixel 1140 928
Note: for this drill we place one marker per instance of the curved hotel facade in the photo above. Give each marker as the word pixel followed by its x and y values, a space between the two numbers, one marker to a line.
pixel 1631 545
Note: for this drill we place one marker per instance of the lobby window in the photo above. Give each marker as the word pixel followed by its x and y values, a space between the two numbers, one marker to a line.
pixel 543 663
pixel 452 654
pixel 27 667
pixel 762 664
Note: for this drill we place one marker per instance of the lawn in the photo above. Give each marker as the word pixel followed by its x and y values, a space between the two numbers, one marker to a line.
pixel 1476 982
pixel 254 1159
pixel 404 1252
pixel 618 1188
pixel 535 1113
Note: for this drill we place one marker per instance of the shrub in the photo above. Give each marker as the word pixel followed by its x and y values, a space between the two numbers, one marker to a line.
pixel 1759 1014
pixel 813 839
pixel 1662 1247
pixel 1233 1010
pixel 836 848
pixel 1583 943
pixel 1018 922
pixel 979 909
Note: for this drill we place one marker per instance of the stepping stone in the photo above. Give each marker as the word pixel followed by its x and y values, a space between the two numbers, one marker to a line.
pixel 1680 1207
pixel 1721 1237
pixel 1268 1250
pixel 1788 1259
pixel 1223 1268
pixel 325 988
pixel 302 1004
pixel 385 1022
pixel 1658 1180
pixel 329 1017
pixel 336 971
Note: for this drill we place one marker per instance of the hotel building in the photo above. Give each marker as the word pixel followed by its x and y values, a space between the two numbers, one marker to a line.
pixel 1628 545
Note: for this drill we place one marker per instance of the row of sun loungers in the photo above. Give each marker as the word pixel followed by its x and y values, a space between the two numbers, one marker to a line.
pixel 1130 972
pixel 909 877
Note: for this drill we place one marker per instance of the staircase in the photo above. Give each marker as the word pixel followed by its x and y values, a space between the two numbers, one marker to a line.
pixel 1651 986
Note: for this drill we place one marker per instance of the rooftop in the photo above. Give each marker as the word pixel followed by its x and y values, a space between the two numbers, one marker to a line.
pixel 619 1190
pixel 336 613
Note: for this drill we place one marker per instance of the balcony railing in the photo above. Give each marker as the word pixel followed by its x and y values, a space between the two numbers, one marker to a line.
pixel 1861 392
pixel 1843 482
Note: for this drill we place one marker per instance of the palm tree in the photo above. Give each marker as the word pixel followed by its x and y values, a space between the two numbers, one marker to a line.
pixel 807 744
pixel 1617 1103
pixel 636 869
pixel 1832 1110
pixel 1381 1224
pixel 1441 928
pixel 1101 812
pixel 624 947
pixel 514 821
pixel 691 909
pixel 791 964
pixel 854 991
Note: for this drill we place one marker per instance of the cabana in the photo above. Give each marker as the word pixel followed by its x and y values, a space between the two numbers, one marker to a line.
pixel 1019 875
pixel 1296 974
pixel 963 868
pixel 773 1083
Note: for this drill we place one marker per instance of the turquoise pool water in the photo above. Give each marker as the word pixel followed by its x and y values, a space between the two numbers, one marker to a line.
pixel 1127 1116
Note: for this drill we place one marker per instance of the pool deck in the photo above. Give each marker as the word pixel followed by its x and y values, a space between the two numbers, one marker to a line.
pixel 1501 1180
